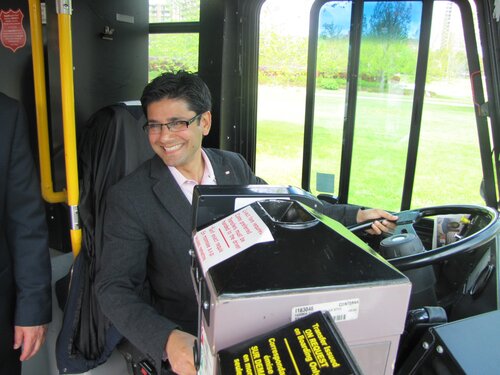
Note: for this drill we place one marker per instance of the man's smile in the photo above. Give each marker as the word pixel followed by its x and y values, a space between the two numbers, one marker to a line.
pixel 172 148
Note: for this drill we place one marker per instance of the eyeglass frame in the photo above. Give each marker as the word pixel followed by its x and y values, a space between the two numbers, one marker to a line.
pixel 170 125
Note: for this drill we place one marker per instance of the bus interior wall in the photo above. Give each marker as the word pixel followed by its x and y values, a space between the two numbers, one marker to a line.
pixel 107 69
pixel 17 69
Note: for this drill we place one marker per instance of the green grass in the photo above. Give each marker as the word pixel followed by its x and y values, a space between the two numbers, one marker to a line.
pixel 448 165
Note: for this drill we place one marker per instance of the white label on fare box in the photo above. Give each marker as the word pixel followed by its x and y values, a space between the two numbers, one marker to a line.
pixel 340 311
pixel 229 237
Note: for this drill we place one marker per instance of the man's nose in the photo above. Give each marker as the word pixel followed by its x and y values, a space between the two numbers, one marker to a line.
pixel 165 132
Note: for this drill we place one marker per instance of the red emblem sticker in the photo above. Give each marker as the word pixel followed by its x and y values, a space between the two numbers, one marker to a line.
pixel 12 33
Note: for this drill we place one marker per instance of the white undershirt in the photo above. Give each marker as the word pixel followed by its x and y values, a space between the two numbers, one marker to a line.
pixel 188 185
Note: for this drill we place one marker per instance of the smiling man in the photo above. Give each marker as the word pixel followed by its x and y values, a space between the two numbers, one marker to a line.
pixel 143 282
pixel 147 224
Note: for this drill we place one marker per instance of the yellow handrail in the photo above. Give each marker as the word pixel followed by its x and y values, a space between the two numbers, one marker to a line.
pixel 68 115
pixel 46 186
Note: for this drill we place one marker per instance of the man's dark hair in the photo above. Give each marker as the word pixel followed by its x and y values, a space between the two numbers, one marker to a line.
pixel 180 85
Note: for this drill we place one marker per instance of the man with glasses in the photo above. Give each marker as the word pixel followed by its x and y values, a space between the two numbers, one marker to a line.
pixel 147 224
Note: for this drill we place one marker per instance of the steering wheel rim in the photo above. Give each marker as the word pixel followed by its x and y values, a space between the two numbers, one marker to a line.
pixel 439 254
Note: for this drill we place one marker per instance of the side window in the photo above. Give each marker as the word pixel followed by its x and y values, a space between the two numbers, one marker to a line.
pixel 387 66
pixel 173 38
pixel 282 90
pixel 330 95
pixel 448 162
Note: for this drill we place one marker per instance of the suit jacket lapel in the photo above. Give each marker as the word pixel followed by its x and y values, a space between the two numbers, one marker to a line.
pixel 170 194
pixel 222 170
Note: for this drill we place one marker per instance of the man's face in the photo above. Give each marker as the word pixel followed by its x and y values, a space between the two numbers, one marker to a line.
pixel 180 149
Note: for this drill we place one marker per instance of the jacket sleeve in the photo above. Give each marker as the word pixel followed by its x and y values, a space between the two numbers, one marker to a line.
pixel 121 276
pixel 26 231
pixel 343 213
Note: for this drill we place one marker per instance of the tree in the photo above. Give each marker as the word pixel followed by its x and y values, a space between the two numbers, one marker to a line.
pixel 330 31
pixel 388 33
pixel 390 20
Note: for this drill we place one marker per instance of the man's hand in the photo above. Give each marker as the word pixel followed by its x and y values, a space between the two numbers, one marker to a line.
pixel 179 349
pixel 377 227
pixel 30 339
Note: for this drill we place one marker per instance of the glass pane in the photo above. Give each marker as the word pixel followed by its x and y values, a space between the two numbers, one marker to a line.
pixel 331 73
pixel 172 52
pixel 448 165
pixel 284 28
pixel 174 11
pixel 388 59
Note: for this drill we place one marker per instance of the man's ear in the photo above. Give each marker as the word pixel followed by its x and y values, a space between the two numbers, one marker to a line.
pixel 206 122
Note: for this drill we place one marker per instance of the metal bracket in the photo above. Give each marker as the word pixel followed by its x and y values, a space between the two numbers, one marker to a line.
pixel 484 109
pixel 64 7
pixel 74 217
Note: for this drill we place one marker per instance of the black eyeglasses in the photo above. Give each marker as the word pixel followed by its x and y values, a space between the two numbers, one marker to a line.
pixel 174 126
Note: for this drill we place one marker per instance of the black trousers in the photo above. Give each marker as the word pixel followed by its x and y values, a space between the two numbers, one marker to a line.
pixel 9 361
pixel 9 358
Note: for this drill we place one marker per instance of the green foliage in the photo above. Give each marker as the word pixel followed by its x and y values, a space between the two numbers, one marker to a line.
pixel 385 60
pixel 332 57
pixel 330 83
pixel 172 52
pixel 282 60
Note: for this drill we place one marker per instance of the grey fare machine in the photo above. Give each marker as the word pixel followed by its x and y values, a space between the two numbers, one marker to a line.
pixel 258 266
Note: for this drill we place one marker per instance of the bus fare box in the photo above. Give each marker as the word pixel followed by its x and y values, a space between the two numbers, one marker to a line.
pixel 275 261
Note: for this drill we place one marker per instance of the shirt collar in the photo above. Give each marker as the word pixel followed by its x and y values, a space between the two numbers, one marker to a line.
pixel 187 185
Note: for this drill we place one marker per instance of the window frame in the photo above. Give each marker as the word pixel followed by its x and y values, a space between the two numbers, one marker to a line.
pixel 471 48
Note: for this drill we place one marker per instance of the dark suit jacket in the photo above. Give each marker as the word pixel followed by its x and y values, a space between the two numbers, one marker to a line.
pixel 147 235
pixel 23 228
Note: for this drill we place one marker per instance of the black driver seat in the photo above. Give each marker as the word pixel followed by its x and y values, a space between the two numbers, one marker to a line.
pixel 111 145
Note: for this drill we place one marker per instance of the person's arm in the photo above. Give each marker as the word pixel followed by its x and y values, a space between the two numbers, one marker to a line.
pixel 121 275
pixel 351 214
pixel 27 237
pixel 386 224
pixel 343 213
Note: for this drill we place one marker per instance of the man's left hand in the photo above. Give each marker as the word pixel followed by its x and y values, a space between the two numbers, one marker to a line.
pixel 386 225
pixel 30 339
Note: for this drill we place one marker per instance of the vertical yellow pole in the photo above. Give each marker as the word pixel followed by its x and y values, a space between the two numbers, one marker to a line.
pixel 64 11
pixel 46 185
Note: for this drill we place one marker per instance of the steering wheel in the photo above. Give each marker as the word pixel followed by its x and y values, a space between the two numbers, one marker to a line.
pixel 485 225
